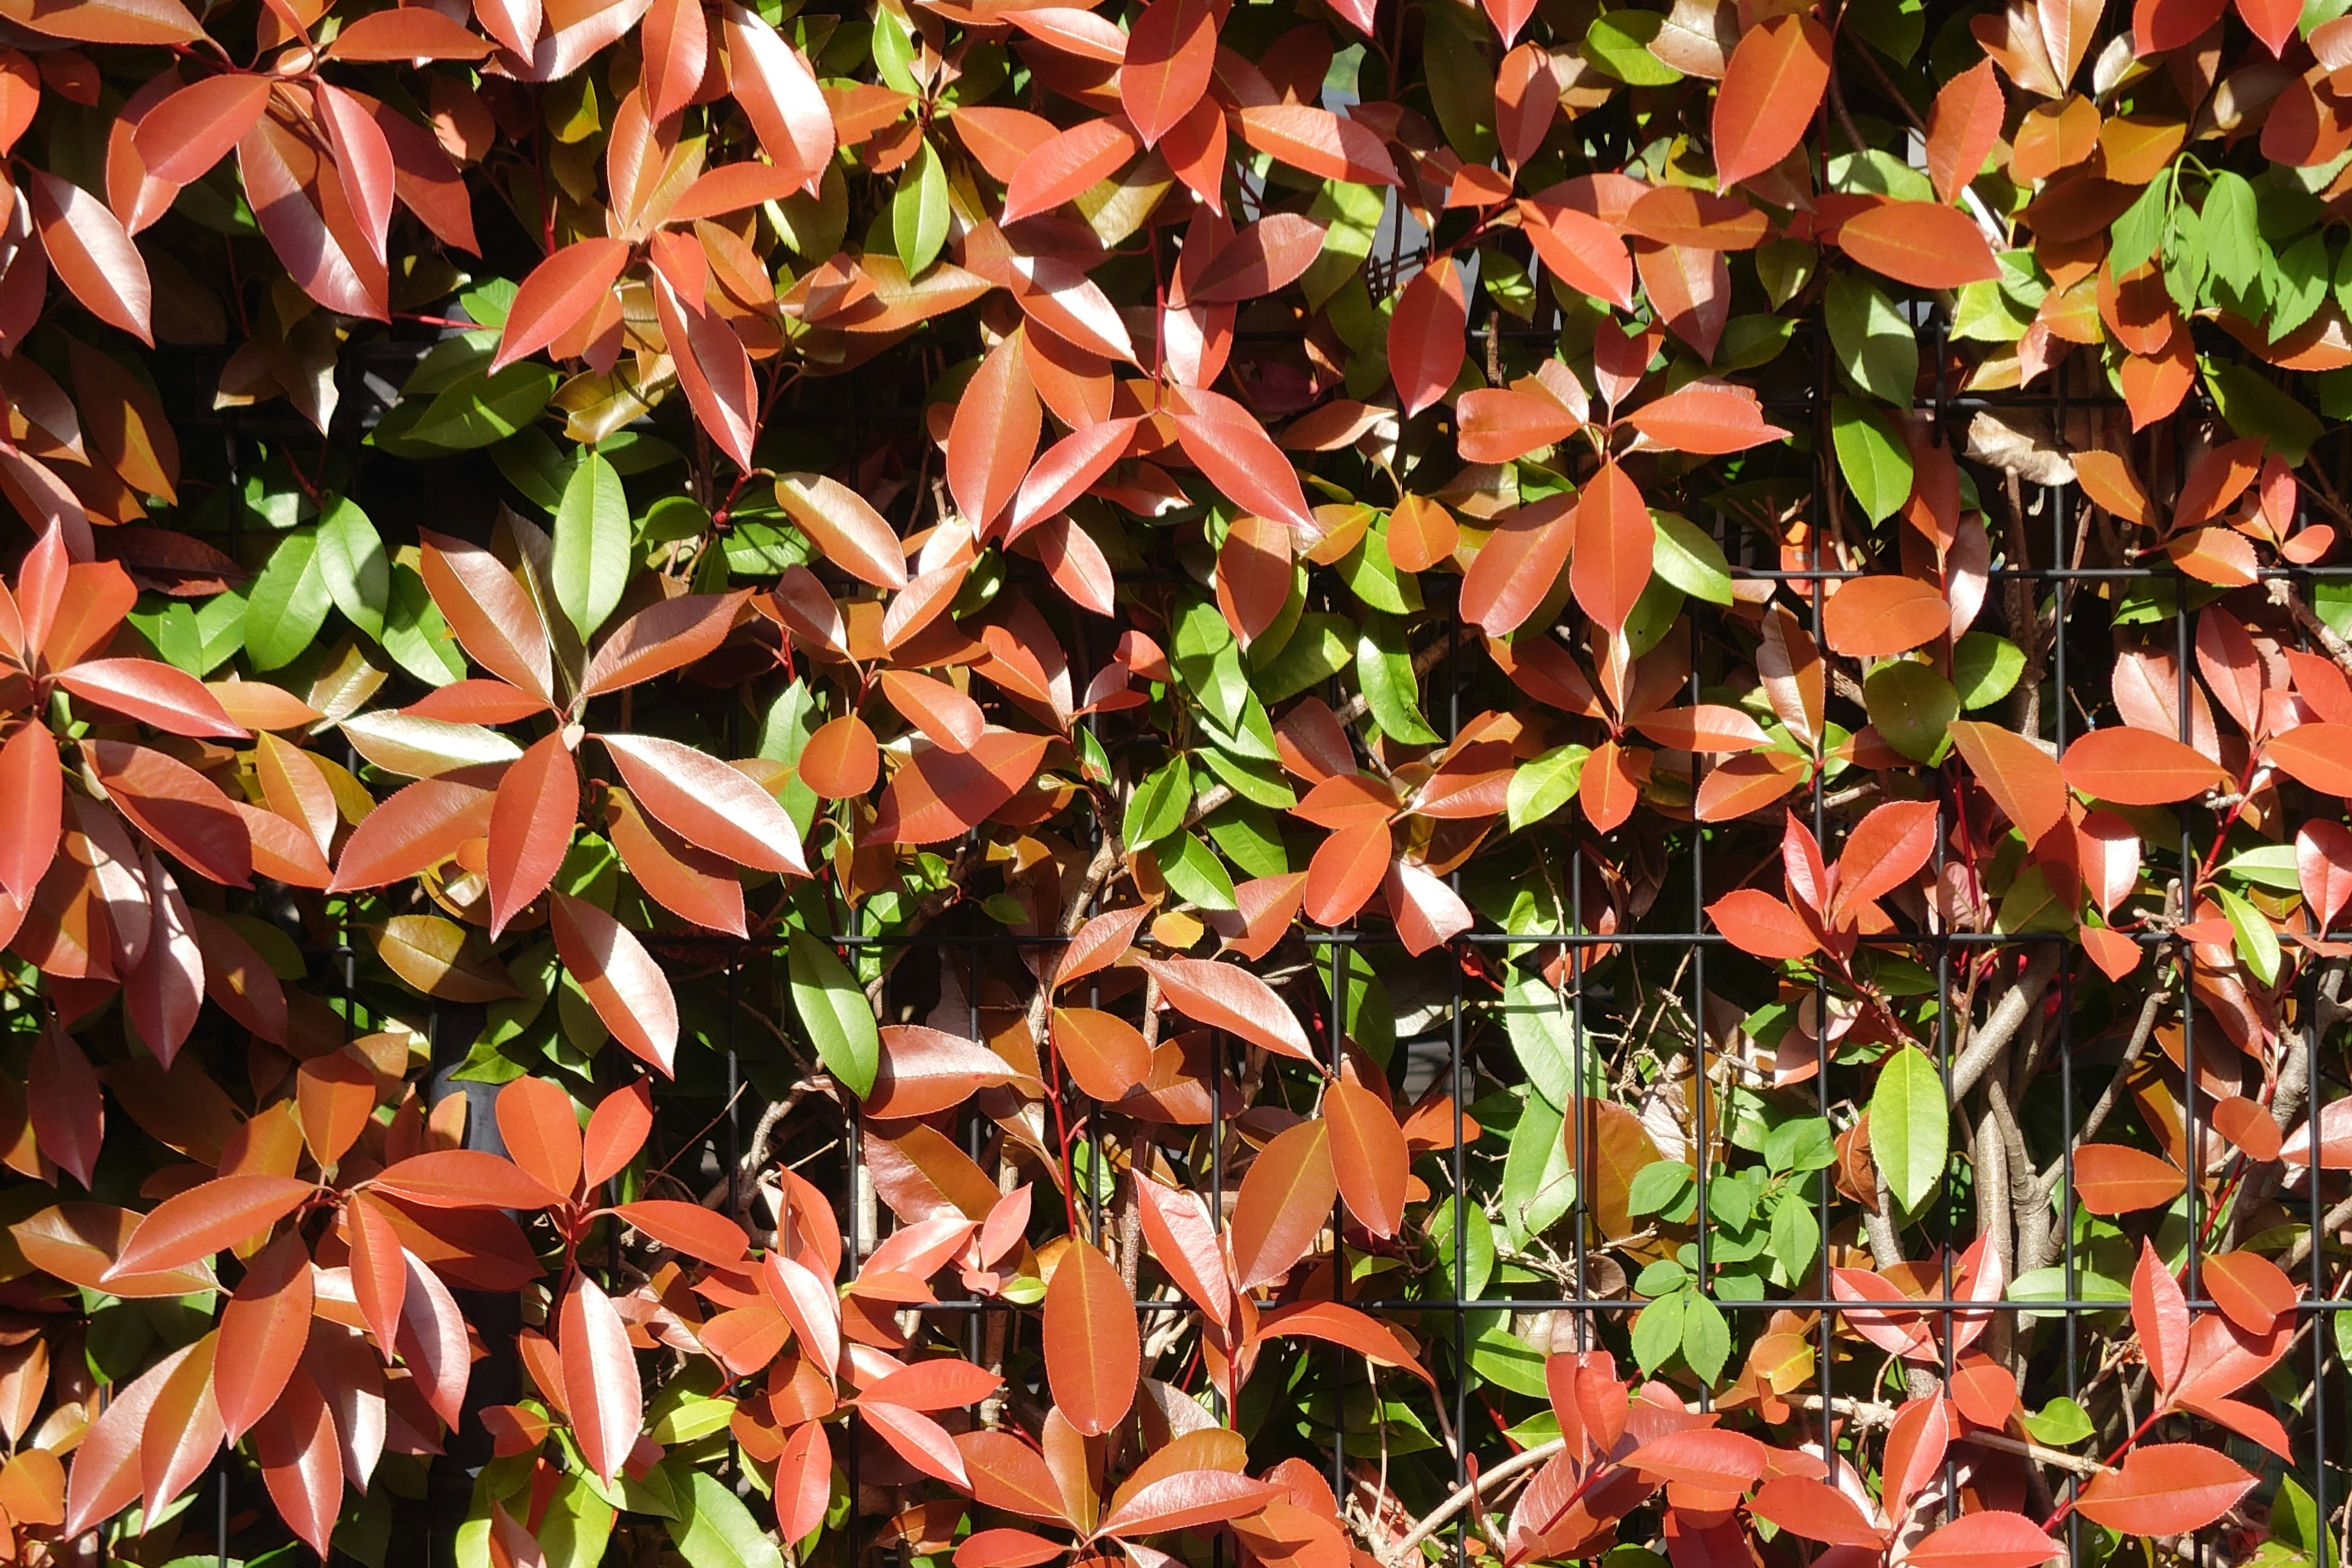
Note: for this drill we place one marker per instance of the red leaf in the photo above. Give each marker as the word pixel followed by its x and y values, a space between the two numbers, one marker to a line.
pixel 1284 1204
pixel 1501 424
pixel 1003 1547
pixel 660 637
pixel 464 1178
pixel 2252 1291
pixel 616 1131
pixel 705 802
pixel 105 1475
pixel 263 1329
pixel 32 809
pixel 68 1109
pixel 1516 569
pixel 676 38
pixel 2133 767
pixel 1963 127
pixel 300 1462
pixel 1759 923
pixel 1070 163
pixel 1093 1356
pixel 1186 1245
pixel 182 137
pixel 1710 417
pixel 488 611
pixel 419 827
pixel 2160 1316
pixel 1708 1459
pixel 532 819
pixel 1229 997
pixel 1587 255
pixel 1319 142
pixel 2318 755
pixel 540 1132
pixel 209 1217
pixel 2021 778
pixel 628 988
pixel 1770 88
pixel 803 1487
pixel 2165 1489
pixel 2114 1178
pixel 1337 1323
pixel 2271 21
pixel 1615 542
pixel 91 251
pixel 600 1378
pixel 1186 1500
pixel 1368 1156
pixel 941 1383
pixel 842 524
pixel 1885 849
pixel 177 807
pixel 1231 447
pixel 1924 243
pixel 1991 1540
pixel 1066 469
pixel 1104 1054
pixel 1172 49
pixel 841 760
pixel 1815 1510
pixel 1268 254
pixel 779 95
pixel 1347 870
pixel 689 1228
pixel 947 717
pixel 994 434
pixel 1875 617
pixel 1426 334
pixel 558 295
pixel 406 33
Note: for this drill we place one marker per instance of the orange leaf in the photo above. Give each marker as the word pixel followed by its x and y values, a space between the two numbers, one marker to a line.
pixel 1924 243
pixel 2113 1178
pixel 1770 88
pixel 1875 617
pixel 2136 767
pixel 1093 1356
pixel 1368 1156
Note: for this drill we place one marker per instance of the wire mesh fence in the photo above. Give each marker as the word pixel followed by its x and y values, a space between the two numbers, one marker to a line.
pixel 1662 1062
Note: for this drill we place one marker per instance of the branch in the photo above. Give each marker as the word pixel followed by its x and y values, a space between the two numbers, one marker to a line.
pixel 1987 1042
pixel 1467 1493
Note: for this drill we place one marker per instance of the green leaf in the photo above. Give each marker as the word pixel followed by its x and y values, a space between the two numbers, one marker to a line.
pixel 1384 670
pixel 1539 1186
pixel 577 1527
pixel 1910 1127
pixel 2257 942
pixel 352 559
pixel 289 601
pixel 1875 344
pixel 2255 407
pixel 834 1012
pixel 1911 706
pixel 591 564
pixel 1502 1358
pixel 1322 647
pixel 1801 1144
pixel 2139 232
pixel 474 411
pixel 2233 238
pixel 2271 865
pixel 1194 872
pixel 2299 284
pixel 1658 1331
pixel 1985 668
pixel 1544 783
pixel 1156 808
pixel 1706 1337
pixel 1543 1037
pixel 714 1530
pixel 918 212
pixel 1618 43
pixel 414 633
pixel 1656 1185
pixel 1374 578
pixel 1871 456
pixel 1796 1234
pixel 2061 1424
pixel 1688 557
pixel 1662 1279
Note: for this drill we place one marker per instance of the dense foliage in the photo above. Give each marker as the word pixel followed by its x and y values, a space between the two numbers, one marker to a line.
pixel 1326 780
